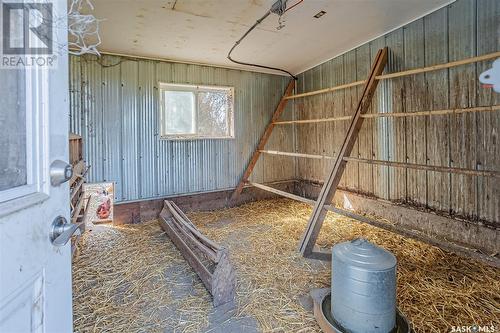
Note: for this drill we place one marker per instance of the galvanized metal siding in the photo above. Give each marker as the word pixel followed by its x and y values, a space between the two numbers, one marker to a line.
pixel 463 29
pixel 114 106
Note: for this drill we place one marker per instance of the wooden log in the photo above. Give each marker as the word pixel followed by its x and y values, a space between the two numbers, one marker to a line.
pixel 263 140
pixel 327 192
pixel 197 249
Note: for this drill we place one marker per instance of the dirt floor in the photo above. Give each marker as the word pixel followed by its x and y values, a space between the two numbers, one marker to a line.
pixel 132 278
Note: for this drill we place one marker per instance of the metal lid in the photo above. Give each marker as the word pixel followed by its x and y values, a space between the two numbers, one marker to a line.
pixel 361 253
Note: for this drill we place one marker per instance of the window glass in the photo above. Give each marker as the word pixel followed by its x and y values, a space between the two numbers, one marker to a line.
pixel 180 112
pixel 213 110
pixel 13 170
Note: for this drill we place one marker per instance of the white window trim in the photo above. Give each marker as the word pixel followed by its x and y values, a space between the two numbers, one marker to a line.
pixel 36 188
pixel 194 88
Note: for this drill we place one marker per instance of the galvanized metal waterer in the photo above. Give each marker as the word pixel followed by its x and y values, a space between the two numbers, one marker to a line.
pixel 363 291
pixel 363 287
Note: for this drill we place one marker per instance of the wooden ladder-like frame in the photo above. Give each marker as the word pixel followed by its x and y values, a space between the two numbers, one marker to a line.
pixel 307 244
pixel 322 205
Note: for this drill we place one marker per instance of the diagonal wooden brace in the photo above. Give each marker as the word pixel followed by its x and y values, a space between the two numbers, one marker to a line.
pixel 263 140
pixel 311 233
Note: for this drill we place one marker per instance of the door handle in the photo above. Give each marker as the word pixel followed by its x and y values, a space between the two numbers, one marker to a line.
pixel 60 172
pixel 62 231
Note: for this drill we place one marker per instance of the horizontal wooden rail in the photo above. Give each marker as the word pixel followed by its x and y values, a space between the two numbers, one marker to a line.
pixel 283 153
pixel 403 73
pixel 415 234
pixel 326 90
pixel 308 121
pixel 282 193
pixel 442 112
pixel 484 173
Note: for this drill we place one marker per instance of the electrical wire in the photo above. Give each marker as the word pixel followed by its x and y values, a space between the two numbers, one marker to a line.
pixel 259 21
pixel 298 2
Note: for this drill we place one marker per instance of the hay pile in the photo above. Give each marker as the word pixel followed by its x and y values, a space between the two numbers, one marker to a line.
pixel 132 279
pixel 436 289
pixel 125 279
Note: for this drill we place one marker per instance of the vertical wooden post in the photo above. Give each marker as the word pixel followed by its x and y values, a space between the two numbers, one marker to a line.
pixel 330 185
pixel 263 140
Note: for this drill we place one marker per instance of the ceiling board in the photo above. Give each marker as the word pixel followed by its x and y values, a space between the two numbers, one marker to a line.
pixel 203 31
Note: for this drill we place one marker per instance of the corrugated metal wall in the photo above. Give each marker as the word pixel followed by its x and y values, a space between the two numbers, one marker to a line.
pixel 463 29
pixel 114 106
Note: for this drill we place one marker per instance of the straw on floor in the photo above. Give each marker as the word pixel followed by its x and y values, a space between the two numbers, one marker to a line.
pixel 121 285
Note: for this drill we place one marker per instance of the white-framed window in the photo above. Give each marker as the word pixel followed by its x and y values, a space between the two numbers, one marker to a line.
pixel 196 112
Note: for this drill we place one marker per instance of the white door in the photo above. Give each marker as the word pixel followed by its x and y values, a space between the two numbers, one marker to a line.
pixel 35 275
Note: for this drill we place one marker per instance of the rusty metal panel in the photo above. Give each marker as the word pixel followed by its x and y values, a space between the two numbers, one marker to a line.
pixel 437 95
pixel 315 111
pixel 328 109
pixel 281 137
pixel 396 127
pixel 300 113
pixel 488 131
pixel 365 136
pixel 351 173
pixel 416 92
pixel 463 29
pixel 339 107
pixel 323 108
pixel 310 106
pixel 463 87
pixel 380 128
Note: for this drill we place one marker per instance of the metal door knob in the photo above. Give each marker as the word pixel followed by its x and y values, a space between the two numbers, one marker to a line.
pixel 60 172
pixel 62 231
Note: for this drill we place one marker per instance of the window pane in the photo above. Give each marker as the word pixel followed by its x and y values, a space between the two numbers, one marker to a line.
pixel 179 112
pixel 213 113
pixel 12 129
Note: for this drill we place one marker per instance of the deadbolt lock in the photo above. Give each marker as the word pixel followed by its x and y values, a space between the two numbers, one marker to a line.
pixel 60 172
